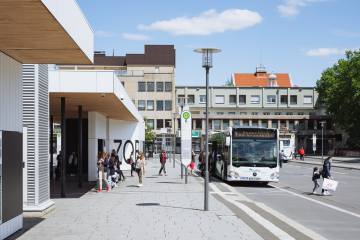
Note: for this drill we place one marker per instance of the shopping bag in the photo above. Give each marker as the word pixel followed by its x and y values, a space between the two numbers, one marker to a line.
pixel 329 185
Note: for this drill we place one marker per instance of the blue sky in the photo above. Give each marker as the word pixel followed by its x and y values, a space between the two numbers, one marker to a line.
pixel 300 37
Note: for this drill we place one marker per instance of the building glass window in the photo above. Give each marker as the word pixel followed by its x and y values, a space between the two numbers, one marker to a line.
pixel 274 124
pixel 291 124
pixel 300 113
pixel 243 113
pixel 141 105
pixel 310 124
pixel 168 123
pixel 220 113
pixel 202 98
pixel 179 123
pixel 283 99
pixel 150 105
pixel 179 99
pixel 133 101
pixel 245 123
pixel 255 99
pixel 168 87
pixel 307 99
pixel 219 99
pixel 159 123
pixel 198 123
pixel 312 113
pixel 293 100
pixel 231 113
pixel 225 124
pixel 123 83
pixel 282 124
pixel 278 113
pixel 167 105
pixel 266 113
pixel 141 86
pixel 302 125
pixel 150 86
pixel 271 99
pixel 254 113
pixel 159 105
pixel 289 113
pixel 264 123
pixel 150 122
pixel 191 99
pixel 210 124
pixel 242 99
pixel 217 124
pixel 232 99
pixel 160 86
pixel 255 123
pixel 156 69
pixel 236 122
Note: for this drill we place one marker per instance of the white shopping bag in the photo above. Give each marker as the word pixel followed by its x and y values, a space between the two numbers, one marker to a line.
pixel 329 185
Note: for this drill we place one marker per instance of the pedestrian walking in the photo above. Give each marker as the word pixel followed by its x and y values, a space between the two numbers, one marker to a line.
pixel 295 154
pixel 58 167
pixel 162 161
pixel 302 153
pixel 72 163
pixel 192 164
pixel 315 177
pixel 101 172
pixel 140 167
pixel 111 171
pixel 326 173
pixel 132 163
pixel 282 157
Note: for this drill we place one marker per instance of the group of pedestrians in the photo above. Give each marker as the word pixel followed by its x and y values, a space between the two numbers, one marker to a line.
pixel 109 170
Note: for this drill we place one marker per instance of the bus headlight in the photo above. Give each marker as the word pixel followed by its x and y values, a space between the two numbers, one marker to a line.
pixel 234 174
pixel 274 175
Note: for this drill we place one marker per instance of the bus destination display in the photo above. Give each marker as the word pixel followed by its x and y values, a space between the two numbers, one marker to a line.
pixel 252 133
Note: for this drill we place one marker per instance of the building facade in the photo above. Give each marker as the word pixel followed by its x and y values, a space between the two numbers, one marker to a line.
pixel 148 78
pixel 290 109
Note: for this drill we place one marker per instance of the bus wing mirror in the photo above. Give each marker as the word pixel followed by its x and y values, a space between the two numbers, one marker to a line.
pixel 227 141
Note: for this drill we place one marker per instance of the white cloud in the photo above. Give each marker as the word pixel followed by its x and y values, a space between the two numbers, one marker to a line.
pixel 207 22
pixel 345 33
pixel 137 37
pixel 321 52
pixel 101 33
pixel 290 9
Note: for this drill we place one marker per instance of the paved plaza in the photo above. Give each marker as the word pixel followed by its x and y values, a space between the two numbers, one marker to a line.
pixel 164 208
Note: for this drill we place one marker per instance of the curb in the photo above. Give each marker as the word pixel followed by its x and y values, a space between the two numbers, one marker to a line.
pixel 333 165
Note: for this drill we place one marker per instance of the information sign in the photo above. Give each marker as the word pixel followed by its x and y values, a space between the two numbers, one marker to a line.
pixel 258 133
pixel 186 138
pixel 314 142
pixel 292 143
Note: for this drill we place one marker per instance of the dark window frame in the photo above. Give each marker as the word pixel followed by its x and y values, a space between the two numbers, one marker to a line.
pixel 147 86
pixel 139 86
pixel 157 109
pixel 162 86
pixel 166 83
pixel 166 109
pixel 139 105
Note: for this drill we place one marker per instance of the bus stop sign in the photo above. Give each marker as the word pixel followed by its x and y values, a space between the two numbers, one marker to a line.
pixel 186 138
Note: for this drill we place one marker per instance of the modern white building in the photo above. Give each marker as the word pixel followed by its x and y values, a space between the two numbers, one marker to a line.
pixel 32 32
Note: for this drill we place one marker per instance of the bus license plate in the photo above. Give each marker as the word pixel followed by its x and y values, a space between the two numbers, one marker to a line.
pixel 254 179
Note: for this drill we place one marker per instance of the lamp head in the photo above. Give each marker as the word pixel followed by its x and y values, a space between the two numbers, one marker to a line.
pixel 207 55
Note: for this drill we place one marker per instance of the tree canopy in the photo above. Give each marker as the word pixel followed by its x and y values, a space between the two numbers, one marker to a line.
pixel 339 89
pixel 149 134
pixel 227 83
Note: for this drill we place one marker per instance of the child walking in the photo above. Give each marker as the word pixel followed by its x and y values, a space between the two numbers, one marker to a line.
pixel 315 178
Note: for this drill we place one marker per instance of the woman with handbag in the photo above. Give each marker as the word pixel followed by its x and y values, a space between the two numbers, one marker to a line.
pixel 101 173
pixel 140 167
pixel 132 163
pixel 192 164
pixel 326 173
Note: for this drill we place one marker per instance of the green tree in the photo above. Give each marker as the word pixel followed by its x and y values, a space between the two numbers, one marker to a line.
pixel 149 134
pixel 339 89
pixel 227 83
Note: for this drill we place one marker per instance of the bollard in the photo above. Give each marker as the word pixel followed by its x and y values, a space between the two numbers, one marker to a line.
pixel 186 174
pixel 182 170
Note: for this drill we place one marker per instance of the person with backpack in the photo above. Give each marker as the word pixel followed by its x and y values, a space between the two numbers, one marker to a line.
pixel 326 173
pixel 302 153
pixel 192 164
pixel 162 161
pixel 315 178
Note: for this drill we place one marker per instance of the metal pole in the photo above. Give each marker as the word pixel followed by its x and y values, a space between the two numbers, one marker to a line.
pixel 322 143
pixel 80 146
pixel 51 146
pixel 206 185
pixel 174 141
pixel 63 148
pixel 182 169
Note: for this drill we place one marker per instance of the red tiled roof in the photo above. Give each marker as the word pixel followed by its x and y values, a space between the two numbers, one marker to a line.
pixel 250 80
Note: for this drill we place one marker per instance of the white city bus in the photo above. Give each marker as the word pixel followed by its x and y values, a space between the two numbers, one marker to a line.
pixel 247 154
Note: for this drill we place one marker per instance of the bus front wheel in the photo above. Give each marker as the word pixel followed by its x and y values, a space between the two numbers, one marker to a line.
pixel 265 183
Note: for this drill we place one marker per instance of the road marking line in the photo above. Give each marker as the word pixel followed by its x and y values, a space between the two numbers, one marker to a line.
pixel 316 201
pixel 297 226
pixel 265 223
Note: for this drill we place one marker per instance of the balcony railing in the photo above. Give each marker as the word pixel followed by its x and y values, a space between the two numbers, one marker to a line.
pixel 129 73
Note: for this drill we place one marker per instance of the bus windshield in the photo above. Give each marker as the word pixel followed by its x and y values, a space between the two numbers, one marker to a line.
pixel 286 143
pixel 254 152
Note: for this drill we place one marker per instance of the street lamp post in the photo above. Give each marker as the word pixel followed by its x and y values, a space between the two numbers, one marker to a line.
pixel 168 130
pixel 174 114
pixel 207 64
pixel 322 141
pixel 182 103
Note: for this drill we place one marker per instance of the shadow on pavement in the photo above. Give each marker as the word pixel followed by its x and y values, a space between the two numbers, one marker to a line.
pixel 72 187
pixel 28 223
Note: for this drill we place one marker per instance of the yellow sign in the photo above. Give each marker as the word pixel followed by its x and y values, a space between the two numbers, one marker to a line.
pixel 258 133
